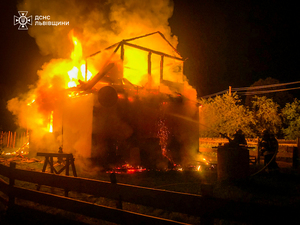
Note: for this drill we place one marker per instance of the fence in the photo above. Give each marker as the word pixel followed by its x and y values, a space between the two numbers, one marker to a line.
pixel 13 139
pixel 290 147
pixel 205 207
pixel 250 141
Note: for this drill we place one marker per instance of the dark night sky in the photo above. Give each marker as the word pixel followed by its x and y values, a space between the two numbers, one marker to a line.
pixel 235 43
pixel 227 43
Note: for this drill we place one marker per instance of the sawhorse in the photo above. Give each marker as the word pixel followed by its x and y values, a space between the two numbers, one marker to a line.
pixel 67 158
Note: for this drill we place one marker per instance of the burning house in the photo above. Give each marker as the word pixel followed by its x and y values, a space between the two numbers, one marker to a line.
pixel 127 103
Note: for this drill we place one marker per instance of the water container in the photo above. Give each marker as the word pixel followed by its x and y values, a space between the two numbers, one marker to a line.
pixel 233 162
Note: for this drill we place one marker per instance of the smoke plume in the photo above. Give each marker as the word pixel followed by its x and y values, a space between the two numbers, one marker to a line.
pixel 98 23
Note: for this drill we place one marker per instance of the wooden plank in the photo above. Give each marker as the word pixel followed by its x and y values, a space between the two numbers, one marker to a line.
pixel 3 186
pixel 3 201
pixel 88 209
pixel 4 170
pixel 4 189
pixel 45 164
pixel 46 154
pixel 153 51
pixel 73 168
pixel 249 141
pixel 11 197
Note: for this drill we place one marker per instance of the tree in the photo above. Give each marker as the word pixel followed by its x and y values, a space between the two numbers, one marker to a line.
pixel 224 114
pixel 280 98
pixel 266 114
pixel 291 118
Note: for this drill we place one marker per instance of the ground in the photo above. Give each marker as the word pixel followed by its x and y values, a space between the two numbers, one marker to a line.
pixel 281 188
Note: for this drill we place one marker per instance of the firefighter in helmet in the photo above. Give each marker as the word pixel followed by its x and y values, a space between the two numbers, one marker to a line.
pixel 269 149
pixel 239 138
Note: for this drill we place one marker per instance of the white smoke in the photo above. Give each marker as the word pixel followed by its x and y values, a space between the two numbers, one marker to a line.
pixel 97 23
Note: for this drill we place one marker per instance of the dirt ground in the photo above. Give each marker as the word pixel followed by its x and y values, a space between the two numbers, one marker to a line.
pixel 276 189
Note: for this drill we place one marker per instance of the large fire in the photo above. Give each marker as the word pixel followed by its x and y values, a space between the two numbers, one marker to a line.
pixel 104 92
pixel 79 71
pixel 71 71
pixel 138 66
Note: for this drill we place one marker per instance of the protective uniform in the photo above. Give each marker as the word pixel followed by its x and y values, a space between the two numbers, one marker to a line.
pixel 239 138
pixel 269 149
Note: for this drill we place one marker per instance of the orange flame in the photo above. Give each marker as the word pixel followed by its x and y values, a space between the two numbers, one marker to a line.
pixel 50 124
pixel 78 72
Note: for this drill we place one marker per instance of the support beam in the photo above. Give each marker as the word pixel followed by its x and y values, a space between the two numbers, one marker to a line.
pixel 161 68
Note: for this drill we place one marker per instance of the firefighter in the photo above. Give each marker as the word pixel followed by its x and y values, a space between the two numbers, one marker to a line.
pixel 269 149
pixel 239 138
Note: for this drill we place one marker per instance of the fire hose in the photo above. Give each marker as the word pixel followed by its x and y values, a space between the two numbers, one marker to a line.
pixel 265 166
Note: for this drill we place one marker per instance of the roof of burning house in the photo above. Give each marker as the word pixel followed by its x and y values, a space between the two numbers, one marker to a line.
pixel 153 42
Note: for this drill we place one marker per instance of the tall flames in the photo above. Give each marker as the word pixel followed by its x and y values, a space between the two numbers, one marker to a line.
pixel 79 70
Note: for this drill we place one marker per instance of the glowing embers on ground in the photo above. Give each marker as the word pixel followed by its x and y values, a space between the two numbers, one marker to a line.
pixel 126 168
pixel 23 150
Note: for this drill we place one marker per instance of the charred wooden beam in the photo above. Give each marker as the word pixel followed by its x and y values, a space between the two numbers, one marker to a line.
pixel 153 51
pixel 161 68
pixel 87 86
pixel 149 63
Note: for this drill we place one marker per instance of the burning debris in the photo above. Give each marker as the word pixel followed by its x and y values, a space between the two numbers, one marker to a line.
pixel 126 168
pixel 115 105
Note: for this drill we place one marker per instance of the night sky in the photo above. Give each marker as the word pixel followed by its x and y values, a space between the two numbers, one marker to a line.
pixel 226 43
pixel 235 43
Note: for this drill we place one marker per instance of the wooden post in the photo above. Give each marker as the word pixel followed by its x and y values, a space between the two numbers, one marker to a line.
pixel 161 68
pixel 122 51
pixel 67 165
pixel 149 63
pixel 8 139
pixel 11 139
pixel 67 174
pixel 2 138
pixel 51 164
pixel 258 152
pixel 229 91
pixel 14 142
pixel 11 200
pixel 113 180
pixel 207 191
pixel 73 166
pixel 296 154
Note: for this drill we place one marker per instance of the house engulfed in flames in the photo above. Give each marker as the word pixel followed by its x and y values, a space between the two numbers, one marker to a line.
pixel 135 108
